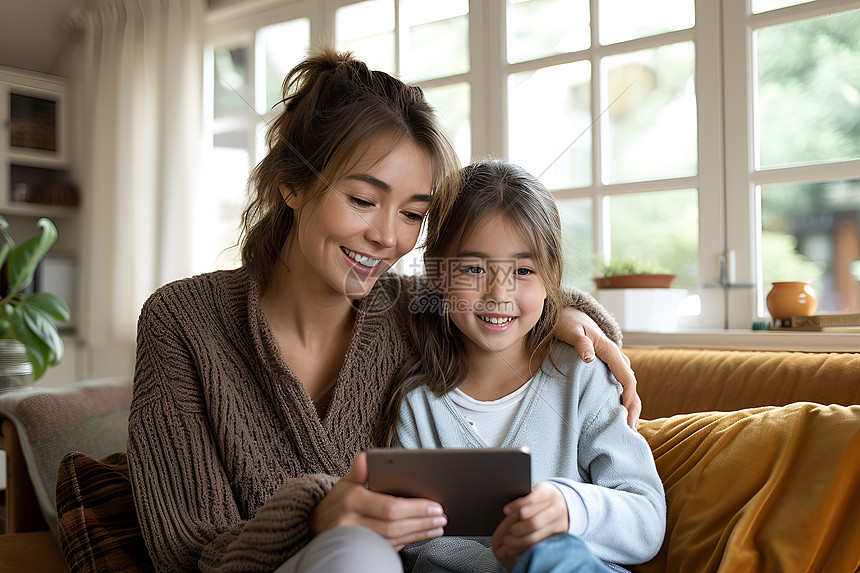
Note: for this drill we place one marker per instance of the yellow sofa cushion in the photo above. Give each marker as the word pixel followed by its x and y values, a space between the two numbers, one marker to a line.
pixel 766 489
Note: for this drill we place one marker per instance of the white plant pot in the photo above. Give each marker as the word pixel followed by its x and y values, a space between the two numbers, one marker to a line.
pixel 643 309
pixel 15 368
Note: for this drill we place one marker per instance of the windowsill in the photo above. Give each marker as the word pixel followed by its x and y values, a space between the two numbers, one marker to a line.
pixel 748 340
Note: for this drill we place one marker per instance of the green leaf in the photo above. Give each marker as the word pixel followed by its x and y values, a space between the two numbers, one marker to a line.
pixel 8 242
pixel 43 327
pixel 4 251
pixel 38 369
pixel 25 258
pixel 49 303
pixel 37 351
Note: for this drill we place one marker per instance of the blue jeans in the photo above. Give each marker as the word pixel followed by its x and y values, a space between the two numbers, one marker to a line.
pixel 562 553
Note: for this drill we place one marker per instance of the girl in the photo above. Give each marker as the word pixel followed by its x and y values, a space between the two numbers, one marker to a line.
pixel 490 374
pixel 255 389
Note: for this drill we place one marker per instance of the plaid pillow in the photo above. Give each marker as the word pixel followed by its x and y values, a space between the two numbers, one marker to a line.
pixel 96 517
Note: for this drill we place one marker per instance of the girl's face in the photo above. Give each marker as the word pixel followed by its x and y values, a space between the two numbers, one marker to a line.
pixel 495 295
pixel 364 223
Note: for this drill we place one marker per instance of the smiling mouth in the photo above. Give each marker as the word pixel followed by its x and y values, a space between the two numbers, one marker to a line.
pixel 497 320
pixel 361 259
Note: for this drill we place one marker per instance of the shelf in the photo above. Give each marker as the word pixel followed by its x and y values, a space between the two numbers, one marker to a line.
pixel 36 158
pixel 748 340
pixel 33 144
pixel 24 209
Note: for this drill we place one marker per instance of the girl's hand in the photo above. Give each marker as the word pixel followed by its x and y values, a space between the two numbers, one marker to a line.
pixel 529 520
pixel 399 520
pixel 580 331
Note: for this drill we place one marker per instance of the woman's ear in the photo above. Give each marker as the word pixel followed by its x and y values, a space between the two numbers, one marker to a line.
pixel 290 197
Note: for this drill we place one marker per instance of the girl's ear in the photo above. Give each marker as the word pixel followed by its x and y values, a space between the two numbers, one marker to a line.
pixel 290 197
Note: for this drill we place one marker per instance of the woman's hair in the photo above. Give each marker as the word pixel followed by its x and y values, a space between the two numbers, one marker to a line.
pixel 334 109
pixel 489 191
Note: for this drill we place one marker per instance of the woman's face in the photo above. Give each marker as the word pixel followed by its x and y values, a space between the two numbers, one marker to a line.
pixel 364 223
pixel 495 294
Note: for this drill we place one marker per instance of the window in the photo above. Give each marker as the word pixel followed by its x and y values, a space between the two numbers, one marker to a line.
pixel 721 140
pixel 793 151
pixel 250 55
pixel 606 117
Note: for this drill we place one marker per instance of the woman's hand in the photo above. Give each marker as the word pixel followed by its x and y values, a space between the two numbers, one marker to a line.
pixel 580 331
pixel 399 520
pixel 529 520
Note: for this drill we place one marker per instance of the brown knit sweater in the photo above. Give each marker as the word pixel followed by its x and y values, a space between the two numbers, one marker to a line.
pixel 227 453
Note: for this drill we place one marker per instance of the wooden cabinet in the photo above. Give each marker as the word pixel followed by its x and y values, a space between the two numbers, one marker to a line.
pixel 34 154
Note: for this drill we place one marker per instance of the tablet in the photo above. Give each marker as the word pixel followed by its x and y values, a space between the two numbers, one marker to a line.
pixel 471 484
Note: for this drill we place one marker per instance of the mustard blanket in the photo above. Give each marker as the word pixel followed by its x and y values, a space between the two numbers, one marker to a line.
pixel 760 490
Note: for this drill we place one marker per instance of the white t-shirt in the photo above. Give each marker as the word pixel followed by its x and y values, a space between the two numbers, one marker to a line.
pixel 491 419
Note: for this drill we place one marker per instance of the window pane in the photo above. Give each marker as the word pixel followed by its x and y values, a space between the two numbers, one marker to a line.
pixel 650 126
pixel 452 105
pixel 622 20
pixel 232 90
pixel 537 28
pixel 217 217
pixel 767 5
pixel 662 227
pixel 578 242
pixel 811 232
pixel 436 42
pixel 367 29
pixel 808 107
pixel 279 48
pixel 549 123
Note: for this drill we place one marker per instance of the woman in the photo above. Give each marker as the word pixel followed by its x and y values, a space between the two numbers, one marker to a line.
pixel 257 388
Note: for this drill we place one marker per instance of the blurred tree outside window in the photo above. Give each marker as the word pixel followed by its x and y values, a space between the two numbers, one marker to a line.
pixel 808 104
pixel 807 112
pixel 811 231
pixel 661 226
pixel 578 243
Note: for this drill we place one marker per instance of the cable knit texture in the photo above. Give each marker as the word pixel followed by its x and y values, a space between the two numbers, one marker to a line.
pixel 227 454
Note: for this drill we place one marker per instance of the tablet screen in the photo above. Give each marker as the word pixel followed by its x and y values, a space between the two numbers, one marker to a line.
pixel 471 484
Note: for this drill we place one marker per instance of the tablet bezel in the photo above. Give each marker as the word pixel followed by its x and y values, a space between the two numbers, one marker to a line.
pixel 473 485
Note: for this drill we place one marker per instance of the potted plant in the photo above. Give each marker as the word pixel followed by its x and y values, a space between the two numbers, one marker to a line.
pixel 26 318
pixel 632 273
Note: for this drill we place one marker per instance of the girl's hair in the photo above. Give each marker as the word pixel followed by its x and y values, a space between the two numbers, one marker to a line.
pixel 489 191
pixel 334 108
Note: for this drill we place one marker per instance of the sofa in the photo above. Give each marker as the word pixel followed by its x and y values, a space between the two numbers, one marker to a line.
pixel 39 426
pixel 758 452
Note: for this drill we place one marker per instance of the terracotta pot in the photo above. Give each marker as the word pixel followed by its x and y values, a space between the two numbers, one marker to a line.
pixel 636 281
pixel 791 298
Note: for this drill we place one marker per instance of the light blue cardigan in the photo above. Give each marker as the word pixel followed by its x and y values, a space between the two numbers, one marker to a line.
pixel 572 421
